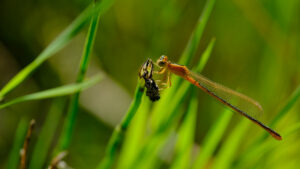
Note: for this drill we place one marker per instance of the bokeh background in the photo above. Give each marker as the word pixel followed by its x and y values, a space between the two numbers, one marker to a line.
pixel 257 50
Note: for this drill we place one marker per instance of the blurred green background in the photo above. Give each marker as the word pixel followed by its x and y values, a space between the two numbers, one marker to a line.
pixel 257 50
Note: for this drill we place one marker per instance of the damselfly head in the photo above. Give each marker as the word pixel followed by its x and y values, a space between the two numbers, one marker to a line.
pixel 162 61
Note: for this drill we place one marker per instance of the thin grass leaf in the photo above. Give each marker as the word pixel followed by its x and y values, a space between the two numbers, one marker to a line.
pixel 294 128
pixel 227 153
pixel 186 136
pixel 172 108
pixel 194 40
pixel 290 103
pixel 55 92
pixel 249 153
pixel 278 152
pixel 43 144
pixel 205 55
pixel 66 135
pixel 134 136
pixel 64 38
pixel 14 157
pixel 264 149
pixel 255 155
pixel 118 134
pixel 147 155
pixel 212 139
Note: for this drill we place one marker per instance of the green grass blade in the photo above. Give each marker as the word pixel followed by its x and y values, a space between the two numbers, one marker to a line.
pixel 89 43
pixel 147 155
pixel 148 158
pixel 43 144
pixel 294 128
pixel 186 136
pixel 227 153
pixel 205 56
pixel 194 40
pixel 55 92
pixel 254 147
pixel 64 38
pixel 134 136
pixel 14 157
pixel 255 155
pixel 290 103
pixel 118 133
pixel 212 139
pixel 68 128
pixel 264 149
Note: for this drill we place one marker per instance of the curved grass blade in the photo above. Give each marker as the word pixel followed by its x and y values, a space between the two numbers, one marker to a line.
pixel 148 156
pixel 68 128
pixel 64 38
pixel 205 56
pixel 262 150
pixel 55 92
pixel 118 133
pixel 14 157
pixel 194 40
pixel 290 103
pixel 255 145
pixel 227 153
pixel 212 139
pixel 134 136
pixel 294 128
pixel 153 145
pixel 186 133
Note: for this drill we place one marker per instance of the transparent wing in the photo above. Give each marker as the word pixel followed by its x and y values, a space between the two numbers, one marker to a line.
pixel 236 99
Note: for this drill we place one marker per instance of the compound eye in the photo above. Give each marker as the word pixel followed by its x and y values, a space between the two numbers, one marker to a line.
pixel 162 61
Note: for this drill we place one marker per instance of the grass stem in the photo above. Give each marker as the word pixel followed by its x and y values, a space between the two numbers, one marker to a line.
pixel 118 133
